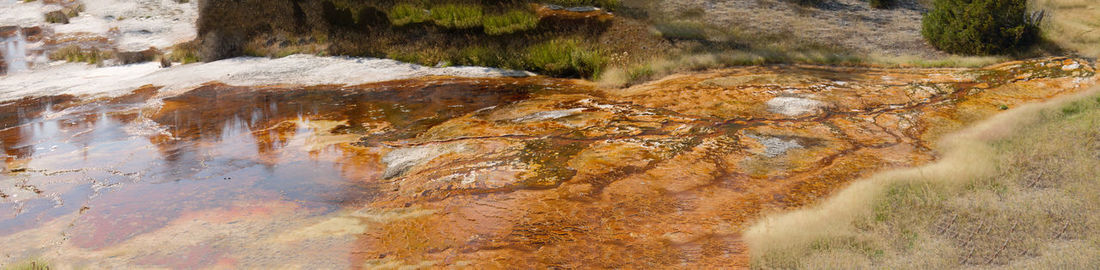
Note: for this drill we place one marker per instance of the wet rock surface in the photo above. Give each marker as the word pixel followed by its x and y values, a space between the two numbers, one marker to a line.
pixel 484 173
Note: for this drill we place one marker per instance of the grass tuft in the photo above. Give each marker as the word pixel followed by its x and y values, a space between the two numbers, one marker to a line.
pixel 510 22
pixel 611 4
pixel 185 53
pixel 403 14
pixel 76 54
pixel 565 57
pixel 457 16
pixel 480 56
pixel 32 264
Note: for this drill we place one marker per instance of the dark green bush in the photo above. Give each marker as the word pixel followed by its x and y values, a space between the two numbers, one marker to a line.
pixel 808 2
pixel 979 27
pixel 882 3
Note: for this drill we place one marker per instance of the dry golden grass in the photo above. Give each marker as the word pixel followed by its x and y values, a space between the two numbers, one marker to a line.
pixel 1020 191
pixel 667 65
pixel 1072 24
pixel 30 264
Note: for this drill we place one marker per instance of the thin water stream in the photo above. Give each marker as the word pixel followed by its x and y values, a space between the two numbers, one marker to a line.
pixel 13 48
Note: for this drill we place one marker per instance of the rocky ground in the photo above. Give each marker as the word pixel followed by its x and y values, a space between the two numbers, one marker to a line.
pixel 668 173
pixel 850 25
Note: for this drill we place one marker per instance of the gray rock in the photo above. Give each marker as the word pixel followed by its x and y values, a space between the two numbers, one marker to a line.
pixel 774 146
pixel 582 9
pixel 793 106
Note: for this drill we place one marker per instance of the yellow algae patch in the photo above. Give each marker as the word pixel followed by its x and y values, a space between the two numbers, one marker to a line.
pixel 762 79
pixel 323 136
pixel 390 263
pixel 353 223
pixel 604 158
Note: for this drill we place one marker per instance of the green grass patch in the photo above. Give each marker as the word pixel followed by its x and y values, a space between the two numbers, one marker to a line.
pixel 403 14
pixel 76 54
pixel 185 53
pixel 575 3
pixel 641 72
pixel 457 16
pixel 32 264
pixel 480 56
pixel 565 57
pixel 510 22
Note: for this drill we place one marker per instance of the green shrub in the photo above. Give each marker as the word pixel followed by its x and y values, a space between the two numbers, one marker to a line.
pixel 979 27
pixel 403 14
pixel 641 72
pixel 511 22
pixel 563 57
pixel 457 16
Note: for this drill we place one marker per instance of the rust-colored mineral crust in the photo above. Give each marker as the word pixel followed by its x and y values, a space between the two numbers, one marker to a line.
pixel 668 173
pixel 479 173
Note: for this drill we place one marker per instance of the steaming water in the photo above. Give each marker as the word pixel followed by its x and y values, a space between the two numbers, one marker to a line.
pixel 15 52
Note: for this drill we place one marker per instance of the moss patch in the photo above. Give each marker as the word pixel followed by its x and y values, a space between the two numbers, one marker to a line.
pixel 549 161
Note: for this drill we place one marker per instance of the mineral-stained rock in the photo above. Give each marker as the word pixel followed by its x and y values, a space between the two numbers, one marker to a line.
pixel 669 172
pixel 8 31
pixel 536 172
pixel 33 34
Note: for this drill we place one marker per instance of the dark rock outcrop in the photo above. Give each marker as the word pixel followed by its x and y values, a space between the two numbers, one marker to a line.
pixel 147 55
pixel 57 16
